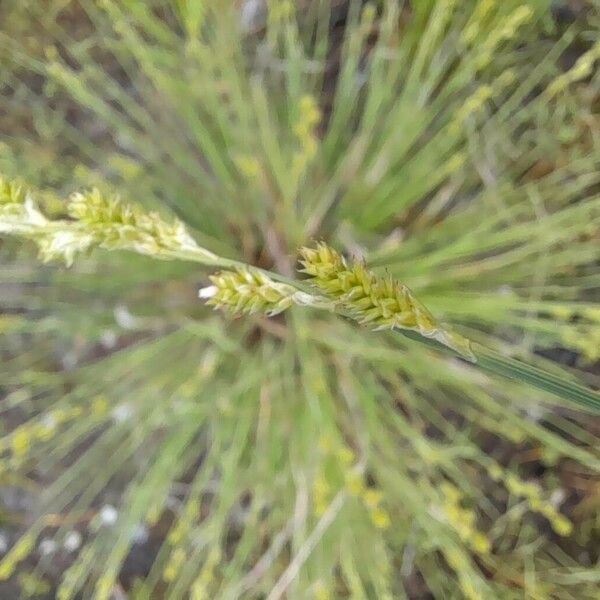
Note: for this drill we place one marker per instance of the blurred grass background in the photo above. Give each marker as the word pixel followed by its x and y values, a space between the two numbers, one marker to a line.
pixel 155 449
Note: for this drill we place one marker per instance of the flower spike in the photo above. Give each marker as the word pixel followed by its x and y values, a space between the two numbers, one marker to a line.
pixel 248 290
pixel 380 302
pixel 95 220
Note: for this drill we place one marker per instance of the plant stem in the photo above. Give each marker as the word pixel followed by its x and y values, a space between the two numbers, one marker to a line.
pixel 517 370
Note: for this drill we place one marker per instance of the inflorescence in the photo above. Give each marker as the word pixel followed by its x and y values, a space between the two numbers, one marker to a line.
pixel 380 302
pixel 95 220
pixel 249 291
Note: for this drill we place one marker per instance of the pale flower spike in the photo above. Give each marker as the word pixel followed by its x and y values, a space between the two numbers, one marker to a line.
pixel 249 291
pixel 96 220
pixel 117 226
pixel 380 302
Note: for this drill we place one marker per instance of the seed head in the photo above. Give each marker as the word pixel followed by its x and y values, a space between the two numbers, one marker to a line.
pixel 380 302
pixel 249 291
pixel 116 225
pixel 95 220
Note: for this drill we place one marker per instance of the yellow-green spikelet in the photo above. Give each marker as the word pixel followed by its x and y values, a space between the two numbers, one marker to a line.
pixel 380 302
pixel 249 291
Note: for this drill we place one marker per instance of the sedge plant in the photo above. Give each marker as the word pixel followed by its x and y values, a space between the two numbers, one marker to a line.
pixel 398 204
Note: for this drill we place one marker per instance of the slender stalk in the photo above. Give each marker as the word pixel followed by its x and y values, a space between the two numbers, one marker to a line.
pixel 517 370
pixel 544 380
pixel 228 263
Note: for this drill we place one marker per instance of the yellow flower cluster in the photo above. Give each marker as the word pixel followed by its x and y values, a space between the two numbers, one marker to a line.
pixel 352 480
pixel 536 503
pixel 371 498
pixel 532 494
pixel 454 163
pixel 18 553
pixel 304 130
pixel 566 312
pixel 321 494
pixel 33 586
pixel 174 564
pixel 462 520
pixel 153 515
pixel 585 340
pixel 474 25
pixel 328 480
pixel 74 573
pixel 248 166
pixel 472 587
pixel 104 587
pixel 483 94
pixel 380 302
pixel 582 333
pixel 178 540
pixel 184 524
pixel 45 427
pixel 202 584
pixel 504 31
pixel 584 67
